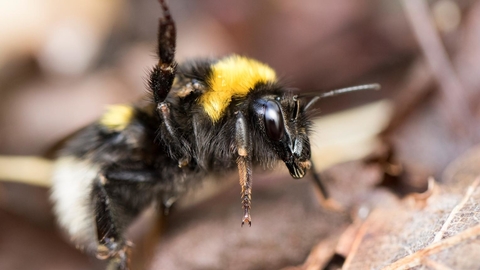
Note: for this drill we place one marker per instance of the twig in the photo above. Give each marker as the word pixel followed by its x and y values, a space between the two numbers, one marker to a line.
pixel 321 254
pixel 437 58
pixel 358 240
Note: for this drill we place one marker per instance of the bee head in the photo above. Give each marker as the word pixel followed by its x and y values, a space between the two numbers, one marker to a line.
pixel 283 120
pixel 284 124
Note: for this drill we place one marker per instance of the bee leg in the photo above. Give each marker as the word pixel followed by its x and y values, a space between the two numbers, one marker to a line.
pixel 244 166
pixel 318 182
pixel 325 199
pixel 160 82
pixel 178 146
pixel 161 78
pixel 111 243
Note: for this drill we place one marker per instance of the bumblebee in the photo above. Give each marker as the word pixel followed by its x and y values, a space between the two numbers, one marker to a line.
pixel 203 117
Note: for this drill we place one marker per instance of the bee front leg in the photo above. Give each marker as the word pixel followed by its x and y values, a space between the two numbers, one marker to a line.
pixel 161 81
pixel 161 78
pixel 244 164
pixel 318 182
pixel 324 196
pixel 178 146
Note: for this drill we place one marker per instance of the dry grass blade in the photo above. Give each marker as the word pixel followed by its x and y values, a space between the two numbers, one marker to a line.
pixel 28 170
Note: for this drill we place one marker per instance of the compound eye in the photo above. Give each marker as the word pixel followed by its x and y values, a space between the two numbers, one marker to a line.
pixel 273 121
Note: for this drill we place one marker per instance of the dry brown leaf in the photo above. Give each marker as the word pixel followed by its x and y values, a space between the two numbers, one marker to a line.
pixel 440 232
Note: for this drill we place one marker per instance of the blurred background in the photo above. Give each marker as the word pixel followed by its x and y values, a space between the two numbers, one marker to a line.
pixel 61 62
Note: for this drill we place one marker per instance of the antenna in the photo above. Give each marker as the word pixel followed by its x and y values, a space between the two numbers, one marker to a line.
pixel 372 86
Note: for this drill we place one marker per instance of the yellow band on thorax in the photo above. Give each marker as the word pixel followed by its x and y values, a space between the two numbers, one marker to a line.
pixel 117 117
pixel 234 76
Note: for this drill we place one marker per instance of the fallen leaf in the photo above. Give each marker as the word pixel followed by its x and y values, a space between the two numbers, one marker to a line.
pixel 442 233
